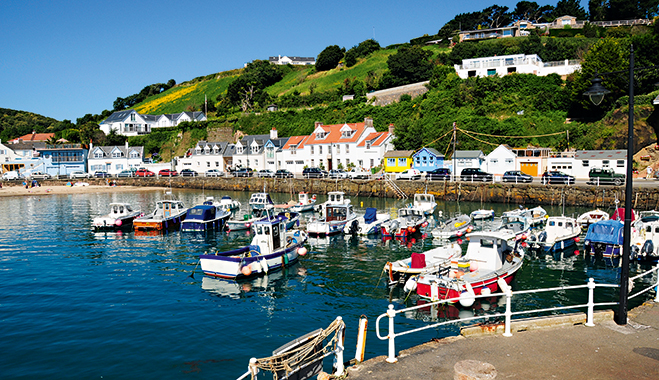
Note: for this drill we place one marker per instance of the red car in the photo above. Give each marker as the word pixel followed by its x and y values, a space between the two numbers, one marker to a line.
pixel 144 173
pixel 167 173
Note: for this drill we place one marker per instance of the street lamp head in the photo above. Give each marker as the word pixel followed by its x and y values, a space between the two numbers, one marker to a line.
pixel 596 91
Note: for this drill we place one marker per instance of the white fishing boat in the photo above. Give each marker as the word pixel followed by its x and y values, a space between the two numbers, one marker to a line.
pixel 260 201
pixel 453 228
pixel 430 261
pixel 560 232
pixel 271 249
pixel 168 215
pixel 120 217
pixel 336 213
pixel 645 236
pixel 368 224
pixel 590 217
pixel 535 216
pixel 490 259
pixel 244 222
pixel 304 203
pixel 229 204
pixel 425 202
pixel 409 221
pixel 482 214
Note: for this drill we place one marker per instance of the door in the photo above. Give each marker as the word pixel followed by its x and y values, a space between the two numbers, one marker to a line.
pixel 530 168
pixel 276 239
pixel 167 210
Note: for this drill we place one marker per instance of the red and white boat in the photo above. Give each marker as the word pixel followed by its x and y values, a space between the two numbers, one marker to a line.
pixel 430 261
pixel 410 221
pixel 491 256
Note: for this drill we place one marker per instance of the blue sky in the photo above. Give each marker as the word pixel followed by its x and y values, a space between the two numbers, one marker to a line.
pixel 66 58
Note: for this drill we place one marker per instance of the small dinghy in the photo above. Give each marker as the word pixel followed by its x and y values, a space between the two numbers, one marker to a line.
pixel 410 221
pixel 453 228
pixel 369 224
pixel 482 214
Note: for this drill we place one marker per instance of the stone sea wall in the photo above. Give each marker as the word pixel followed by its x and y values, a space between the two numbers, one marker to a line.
pixel 520 194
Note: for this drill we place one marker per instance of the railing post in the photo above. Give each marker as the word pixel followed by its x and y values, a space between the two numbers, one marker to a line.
pixel 591 302
pixel 392 344
pixel 509 312
pixel 338 356
pixel 656 288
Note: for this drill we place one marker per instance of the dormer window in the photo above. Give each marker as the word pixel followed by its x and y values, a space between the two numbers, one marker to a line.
pixel 239 150
pixel 254 149
pixel 132 117
pixel 117 154
pixel 197 150
pixel 134 155
pixel 98 154
pixel 346 134
pixel 321 135
pixel 207 149
pixel 216 150
pixel 368 145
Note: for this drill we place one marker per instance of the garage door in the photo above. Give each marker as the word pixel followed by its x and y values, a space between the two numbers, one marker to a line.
pixel 530 168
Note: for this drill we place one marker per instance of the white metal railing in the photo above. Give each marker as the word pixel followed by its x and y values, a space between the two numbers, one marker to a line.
pixel 509 313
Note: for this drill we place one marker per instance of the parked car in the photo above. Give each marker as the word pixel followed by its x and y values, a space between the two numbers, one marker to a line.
pixel 605 176
pixel 168 173
pixel 126 173
pixel 214 173
pixel 337 174
pixel 516 176
pixel 11 175
pixel 358 174
pixel 439 174
pixel 40 175
pixel 475 174
pixel 312 173
pixel 189 173
pixel 283 173
pixel 79 174
pixel 142 172
pixel 243 172
pixel 265 173
pixel 553 177
pixel 409 174
pixel 101 174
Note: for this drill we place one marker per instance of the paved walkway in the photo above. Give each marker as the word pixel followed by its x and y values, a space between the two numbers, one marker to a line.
pixel 606 351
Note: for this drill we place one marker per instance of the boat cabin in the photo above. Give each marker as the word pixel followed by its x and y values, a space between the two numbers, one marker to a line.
pixel 260 200
pixel 168 208
pixel 424 198
pixel 120 209
pixel 337 212
pixel 201 212
pixel 270 234
pixel 303 198
pixel 489 250
pixel 409 212
pixel 558 226
pixel 336 197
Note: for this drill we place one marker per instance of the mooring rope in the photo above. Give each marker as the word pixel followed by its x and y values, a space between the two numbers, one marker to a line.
pixel 305 353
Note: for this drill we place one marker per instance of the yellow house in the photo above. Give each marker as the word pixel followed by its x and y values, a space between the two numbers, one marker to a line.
pixel 396 161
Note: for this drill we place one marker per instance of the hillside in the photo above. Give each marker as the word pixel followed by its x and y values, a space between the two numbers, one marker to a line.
pixel 18 123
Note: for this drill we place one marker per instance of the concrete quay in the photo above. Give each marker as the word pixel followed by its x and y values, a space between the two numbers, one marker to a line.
pixel 542 348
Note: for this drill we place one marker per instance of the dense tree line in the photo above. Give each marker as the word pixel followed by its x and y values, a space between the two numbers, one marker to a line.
pixel 150 90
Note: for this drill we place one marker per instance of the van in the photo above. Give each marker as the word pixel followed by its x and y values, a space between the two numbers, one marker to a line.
pixel 10 175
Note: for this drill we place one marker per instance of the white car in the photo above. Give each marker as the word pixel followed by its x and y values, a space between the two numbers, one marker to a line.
pixel 40 175
pixel 409 174
pixel 79 174
pixel 214 173
pixel 358 174
pixel 11 175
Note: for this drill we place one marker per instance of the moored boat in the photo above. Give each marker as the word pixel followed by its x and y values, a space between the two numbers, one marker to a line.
pixel 482 214
pixel 453 228
pixel 490 258
pixel 430 261
pixel 167 216
pixel 604 238
pixel 271 249
pixel 425 202
pixel 120 217
pixel 245 221
pixel 590 217
pixel 229 204
pixel 645 240
pixel 206 217
pixel 336 213
pixel 560 232
pixel 260 201
pixel 369 224
pixel 409 221
pixel 304 203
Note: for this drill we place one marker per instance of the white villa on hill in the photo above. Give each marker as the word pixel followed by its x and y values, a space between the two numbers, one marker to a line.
pixel 285 60
pixel 517 63
pixel 131 123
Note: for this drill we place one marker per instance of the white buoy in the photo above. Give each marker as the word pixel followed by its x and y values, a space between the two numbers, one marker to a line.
pixel 467 298
pixel 486 291
pixel 410 285
pixel 264 266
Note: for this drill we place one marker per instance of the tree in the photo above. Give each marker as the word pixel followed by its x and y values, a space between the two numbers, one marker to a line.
pixel 597 9
pixel 496 16
pixel 329 58
pixel 410 64
pixel 632 9
pixel 571 8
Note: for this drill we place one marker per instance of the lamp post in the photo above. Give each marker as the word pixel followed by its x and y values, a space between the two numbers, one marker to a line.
pixel 596 93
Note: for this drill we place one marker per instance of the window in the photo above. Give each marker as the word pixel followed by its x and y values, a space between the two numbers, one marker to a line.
pixel 98 154
pixel 312 163
pixel 605 163
pixel 402 162
pixel 270 152
pixel 391 162
pixel 116 154
pixel 132 117
pixel 134 155
pixel 620 163
pixel 239 150
pixel 321 135
pixel 208 164
pixel 585 163
pixel 256 162
pixel 509 160
pixel 494 161
pixel 347 148
pixel 418 161
pixel 320 149
pixel 311 148
pixel 491 72
pixel 368 145
pixel 360 163
pixel 293 150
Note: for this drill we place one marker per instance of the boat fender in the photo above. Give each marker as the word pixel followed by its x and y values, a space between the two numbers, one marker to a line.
pixel 302 251
pixel 118 222
pixel 486 291
pixel 264 266
pixel 246 270
pixel 410 285
pixel 391 271
pixel 648 247
pixel 467 298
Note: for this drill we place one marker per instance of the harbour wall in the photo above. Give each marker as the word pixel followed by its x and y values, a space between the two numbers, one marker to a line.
pixel 644 198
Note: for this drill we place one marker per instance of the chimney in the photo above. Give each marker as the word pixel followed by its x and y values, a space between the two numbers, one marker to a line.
pixel 368 122
pixel 317 124
pixel 126 146
pixel 273 133
pixel 391 129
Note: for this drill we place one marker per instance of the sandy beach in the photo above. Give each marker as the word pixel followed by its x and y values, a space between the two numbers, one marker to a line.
pixel 11 191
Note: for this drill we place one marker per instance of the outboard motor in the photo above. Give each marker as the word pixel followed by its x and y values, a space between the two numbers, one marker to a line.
pixel 648 249
pixel 543 236
pixel 354 227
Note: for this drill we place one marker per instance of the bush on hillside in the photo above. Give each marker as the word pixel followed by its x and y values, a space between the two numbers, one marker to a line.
pixel 329 58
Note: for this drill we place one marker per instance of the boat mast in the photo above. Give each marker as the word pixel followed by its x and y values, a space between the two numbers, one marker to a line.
pixel 455 137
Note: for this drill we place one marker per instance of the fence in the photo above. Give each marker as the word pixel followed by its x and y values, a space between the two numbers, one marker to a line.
pixel 509 313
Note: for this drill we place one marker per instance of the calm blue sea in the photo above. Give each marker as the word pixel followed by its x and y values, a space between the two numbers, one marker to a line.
pixel 78 304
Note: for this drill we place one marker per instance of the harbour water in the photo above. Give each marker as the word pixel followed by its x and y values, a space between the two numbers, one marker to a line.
pixel 78 304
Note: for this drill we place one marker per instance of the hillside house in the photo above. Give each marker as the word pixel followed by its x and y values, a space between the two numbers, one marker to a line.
pixel 204 157
pixel 517 63
pixel 428 159
pixel 131 123
pixel 33 137
pixel 371 150
pixel 285 60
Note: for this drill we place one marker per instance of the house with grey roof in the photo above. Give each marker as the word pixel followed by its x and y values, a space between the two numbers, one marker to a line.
pixel 206 155
pixel 584 160
pixel 463 159
pixel 428 159
pixel 285 60
pixel 114 159
pixel 131 123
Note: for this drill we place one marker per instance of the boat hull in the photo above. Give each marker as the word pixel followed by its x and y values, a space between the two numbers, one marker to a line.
pixel 424 289
pixel 162 225
pixel 106 224
pixel 190 225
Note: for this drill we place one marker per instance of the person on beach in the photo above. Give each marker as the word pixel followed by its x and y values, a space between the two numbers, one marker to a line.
pixel 649 172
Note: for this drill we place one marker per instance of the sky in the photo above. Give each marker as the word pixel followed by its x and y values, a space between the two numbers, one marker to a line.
pixel 64 59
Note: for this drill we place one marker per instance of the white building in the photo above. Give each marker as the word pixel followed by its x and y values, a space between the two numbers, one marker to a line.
pixel 114 159
pixel 463 159
pixel 131 123
pixel 588 159
pixel 518 63
pixel 500 160
pixel 285 60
